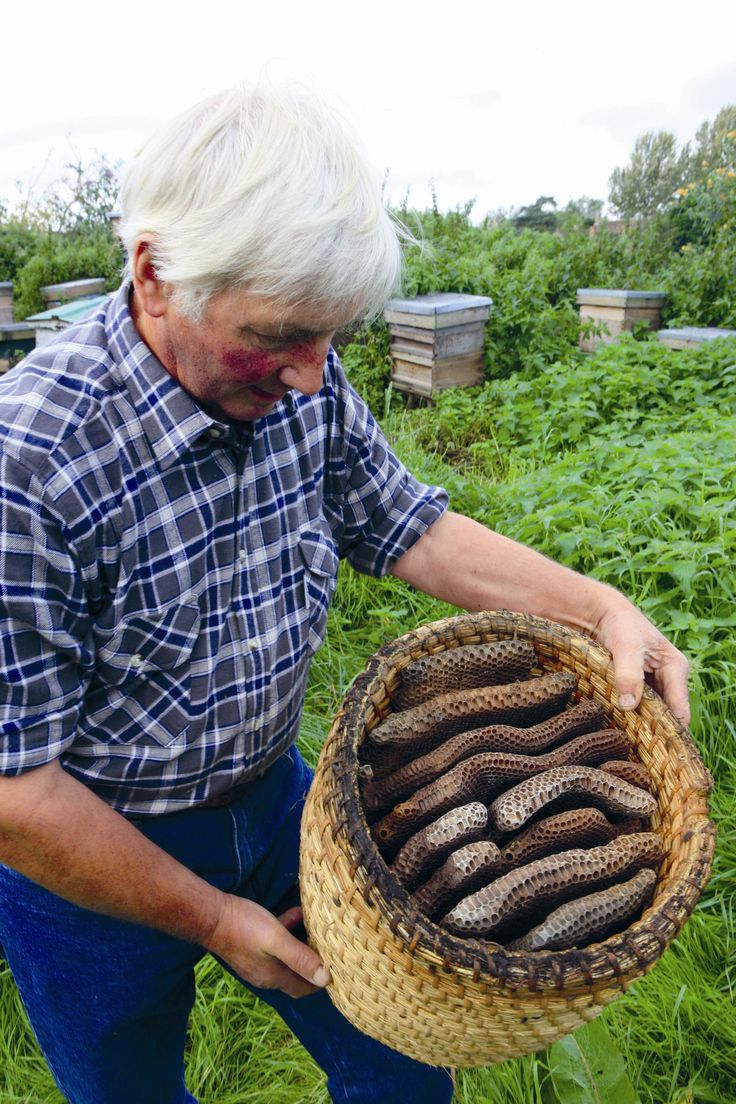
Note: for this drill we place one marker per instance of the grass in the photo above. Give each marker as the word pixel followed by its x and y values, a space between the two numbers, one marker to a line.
pixel 638 492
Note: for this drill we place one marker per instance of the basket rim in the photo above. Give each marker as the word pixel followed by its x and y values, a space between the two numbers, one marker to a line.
pixel 620 958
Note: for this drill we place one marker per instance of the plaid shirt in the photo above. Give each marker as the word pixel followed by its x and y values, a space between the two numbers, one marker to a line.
pixel 165 578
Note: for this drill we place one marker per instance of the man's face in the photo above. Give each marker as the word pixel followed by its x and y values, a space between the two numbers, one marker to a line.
pixel 245 354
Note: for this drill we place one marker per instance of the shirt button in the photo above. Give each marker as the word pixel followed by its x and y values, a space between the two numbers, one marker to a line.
pixel 242 554
pixel 136 660
pixel 252 645
pixel 215 432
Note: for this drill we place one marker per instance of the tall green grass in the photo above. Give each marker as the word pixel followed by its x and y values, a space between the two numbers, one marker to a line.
pixel 624 466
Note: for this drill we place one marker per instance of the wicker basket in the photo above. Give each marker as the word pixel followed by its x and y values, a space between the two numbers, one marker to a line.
pixel 462 1002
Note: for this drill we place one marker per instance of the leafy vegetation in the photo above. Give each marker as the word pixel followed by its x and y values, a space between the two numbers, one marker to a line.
pixel 56 259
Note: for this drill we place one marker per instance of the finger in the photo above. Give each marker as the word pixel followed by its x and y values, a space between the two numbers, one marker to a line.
pixel 292 918
pixel 671 684
pixel 628 674
pixel 299 957
pixel 281 977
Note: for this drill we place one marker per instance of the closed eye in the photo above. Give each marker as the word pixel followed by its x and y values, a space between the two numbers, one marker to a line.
pixel 281 340
pixel 267 341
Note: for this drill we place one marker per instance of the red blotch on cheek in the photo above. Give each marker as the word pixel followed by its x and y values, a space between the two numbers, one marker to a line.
pixel 249 365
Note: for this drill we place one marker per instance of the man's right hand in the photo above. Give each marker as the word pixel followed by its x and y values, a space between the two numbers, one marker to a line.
pixel 57 832
pixel 261 950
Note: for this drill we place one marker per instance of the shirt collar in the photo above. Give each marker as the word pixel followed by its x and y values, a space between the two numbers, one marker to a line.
pixel 171 420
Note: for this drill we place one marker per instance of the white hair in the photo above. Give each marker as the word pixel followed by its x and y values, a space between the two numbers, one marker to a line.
pixel 263 189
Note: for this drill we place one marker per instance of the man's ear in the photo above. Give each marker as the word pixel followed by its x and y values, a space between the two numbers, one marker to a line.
pixel 150 292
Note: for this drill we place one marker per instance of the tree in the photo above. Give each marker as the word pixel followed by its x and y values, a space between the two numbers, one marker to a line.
pixel 714 145
pixel 534 217
pixel 581 213
pixel 80 202
pixel 648 183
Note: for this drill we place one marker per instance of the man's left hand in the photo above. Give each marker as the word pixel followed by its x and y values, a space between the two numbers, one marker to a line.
pixel 640 653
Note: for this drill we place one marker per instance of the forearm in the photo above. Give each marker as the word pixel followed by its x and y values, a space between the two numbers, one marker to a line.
pixel 58 833
pixel 463 562
pixel 469 565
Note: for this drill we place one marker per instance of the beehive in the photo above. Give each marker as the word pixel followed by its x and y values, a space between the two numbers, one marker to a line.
pixel 616 310
pixel 437 341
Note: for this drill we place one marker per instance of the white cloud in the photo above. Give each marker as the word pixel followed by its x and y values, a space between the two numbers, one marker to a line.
pixel 502 103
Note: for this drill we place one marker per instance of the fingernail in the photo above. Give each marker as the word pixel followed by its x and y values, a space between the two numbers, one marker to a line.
pixel 321 977
pixel 627 701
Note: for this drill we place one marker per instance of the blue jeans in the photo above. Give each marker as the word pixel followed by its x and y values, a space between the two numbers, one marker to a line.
pixel 109 1000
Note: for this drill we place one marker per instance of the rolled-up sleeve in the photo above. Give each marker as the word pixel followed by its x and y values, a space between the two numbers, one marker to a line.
pixel 385 510
pixel 44 663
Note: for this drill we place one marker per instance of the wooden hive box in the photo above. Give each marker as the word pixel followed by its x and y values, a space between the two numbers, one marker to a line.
pixel 54 295
pixel 437 341
pixel 6 302
pixel 618 310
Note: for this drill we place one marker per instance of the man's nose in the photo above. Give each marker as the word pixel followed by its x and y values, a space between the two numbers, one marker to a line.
pixel 305 370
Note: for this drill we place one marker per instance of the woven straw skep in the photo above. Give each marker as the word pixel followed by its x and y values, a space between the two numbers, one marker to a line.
pixel 463 1002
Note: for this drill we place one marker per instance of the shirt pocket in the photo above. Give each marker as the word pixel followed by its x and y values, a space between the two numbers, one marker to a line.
pixel 319 557
pixel 143 674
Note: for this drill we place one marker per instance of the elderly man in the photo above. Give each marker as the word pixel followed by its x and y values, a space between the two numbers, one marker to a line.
pixel 180 476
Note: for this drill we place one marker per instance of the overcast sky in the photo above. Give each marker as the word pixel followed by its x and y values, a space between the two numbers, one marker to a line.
pixel 494 102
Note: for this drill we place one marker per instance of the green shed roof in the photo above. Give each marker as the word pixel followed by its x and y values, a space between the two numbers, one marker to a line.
pixel 70 312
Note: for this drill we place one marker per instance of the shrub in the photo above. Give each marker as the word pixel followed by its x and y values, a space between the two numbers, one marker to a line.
pixel 58 258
